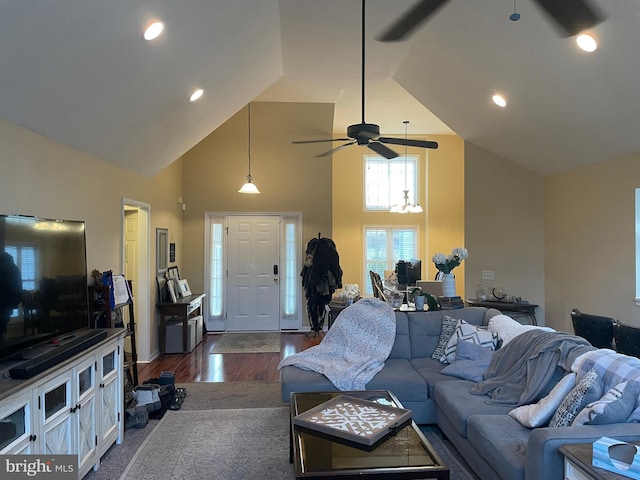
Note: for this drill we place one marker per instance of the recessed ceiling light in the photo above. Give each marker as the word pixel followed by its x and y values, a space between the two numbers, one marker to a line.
pixel 153 30
pixel 586 42
pixel 196 95
pixel 499 100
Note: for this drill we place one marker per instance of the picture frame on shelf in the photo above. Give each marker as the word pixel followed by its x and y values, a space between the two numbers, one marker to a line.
pixel 172 273
pixel 185 291
pixel 173 296
pixel 161 280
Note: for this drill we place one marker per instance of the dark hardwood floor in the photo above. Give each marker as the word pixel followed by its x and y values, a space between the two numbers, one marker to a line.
pixel 203 366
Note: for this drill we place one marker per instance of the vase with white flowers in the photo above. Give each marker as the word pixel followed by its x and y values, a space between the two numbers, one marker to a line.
pixel 445 265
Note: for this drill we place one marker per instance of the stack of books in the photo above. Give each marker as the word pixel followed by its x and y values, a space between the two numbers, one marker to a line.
pixel 450 303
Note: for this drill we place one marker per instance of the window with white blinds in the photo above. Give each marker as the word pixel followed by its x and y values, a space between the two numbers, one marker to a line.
pixel 386 179
pixel 384 246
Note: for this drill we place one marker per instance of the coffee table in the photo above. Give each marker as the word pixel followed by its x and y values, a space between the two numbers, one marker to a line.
pixel 407 454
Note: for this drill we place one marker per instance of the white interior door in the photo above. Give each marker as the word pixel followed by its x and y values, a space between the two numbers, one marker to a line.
pixel 253 260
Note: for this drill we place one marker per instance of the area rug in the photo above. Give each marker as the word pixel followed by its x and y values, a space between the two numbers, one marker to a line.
pixel 259 342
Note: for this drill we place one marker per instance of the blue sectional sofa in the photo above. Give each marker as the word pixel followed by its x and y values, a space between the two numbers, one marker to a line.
pixel 493 443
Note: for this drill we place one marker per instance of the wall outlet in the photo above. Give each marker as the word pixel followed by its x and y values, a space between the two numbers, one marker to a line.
pixel 488 275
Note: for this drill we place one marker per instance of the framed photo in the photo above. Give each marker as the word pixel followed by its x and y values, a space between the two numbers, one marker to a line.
pixel 172 273
pixel 185 291
pixel 162 288
pixel 172 291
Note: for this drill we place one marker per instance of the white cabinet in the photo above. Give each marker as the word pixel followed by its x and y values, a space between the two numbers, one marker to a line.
pixel 75 408
pixel 111 396
pixel 15 424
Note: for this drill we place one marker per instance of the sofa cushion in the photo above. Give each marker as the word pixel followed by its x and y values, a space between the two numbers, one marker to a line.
pixel 587 390
pixel 400 378
pixel 430 371
pixel 539 414
pixel 501 441
pixel 470 363
pixel 466 332
pixel 454 400
pixel 614 407
pixel 401 346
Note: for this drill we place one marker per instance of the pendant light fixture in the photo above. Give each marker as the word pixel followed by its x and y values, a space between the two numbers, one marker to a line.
pixel 249 187
pixel 406 207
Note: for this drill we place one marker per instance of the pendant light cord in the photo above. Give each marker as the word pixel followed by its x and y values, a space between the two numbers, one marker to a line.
pixel 249 130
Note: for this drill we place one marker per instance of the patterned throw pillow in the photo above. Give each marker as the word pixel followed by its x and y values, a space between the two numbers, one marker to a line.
pixel 539 414
pixel 448 327
pixel 586 391
pixel 615 407
pixel 465 332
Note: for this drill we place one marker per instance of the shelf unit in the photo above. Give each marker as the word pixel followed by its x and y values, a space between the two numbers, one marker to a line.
pixel 103 316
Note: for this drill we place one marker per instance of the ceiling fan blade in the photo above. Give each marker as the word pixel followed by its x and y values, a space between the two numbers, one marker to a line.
pixel 334 150
pixel 408 142
pixel 381 149
pixel 321 141
pixel 572 16
pixel 410 20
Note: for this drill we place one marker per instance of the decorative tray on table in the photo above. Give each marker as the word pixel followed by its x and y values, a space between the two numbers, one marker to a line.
pixel 354 419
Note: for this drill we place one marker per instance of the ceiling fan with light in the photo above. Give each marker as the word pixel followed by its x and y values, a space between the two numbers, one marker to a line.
pixel 368 134
pixel 570 17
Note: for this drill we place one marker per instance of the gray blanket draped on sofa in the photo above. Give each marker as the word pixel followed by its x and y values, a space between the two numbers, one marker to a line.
pixel 527 368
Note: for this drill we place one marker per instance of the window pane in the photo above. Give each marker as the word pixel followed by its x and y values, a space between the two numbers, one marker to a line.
pixel 384 246
pixel 215 269
pixel 387 179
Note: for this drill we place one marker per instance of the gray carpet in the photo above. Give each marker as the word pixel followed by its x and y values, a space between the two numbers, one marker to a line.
pixel 209 400
pixel 218 444
pixel 255 342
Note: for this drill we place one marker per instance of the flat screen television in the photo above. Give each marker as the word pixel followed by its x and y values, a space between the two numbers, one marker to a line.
pixel 43 280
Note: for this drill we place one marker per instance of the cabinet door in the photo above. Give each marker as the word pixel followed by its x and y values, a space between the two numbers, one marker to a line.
pixel 110 395
pixel 16 432
pixel 56 407
pixel 85 414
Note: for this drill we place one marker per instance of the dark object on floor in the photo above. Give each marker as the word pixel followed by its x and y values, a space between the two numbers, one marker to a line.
pixel 627 339
pixel 180 395
pixel 596 329
pixel 136 417
pixel 321 277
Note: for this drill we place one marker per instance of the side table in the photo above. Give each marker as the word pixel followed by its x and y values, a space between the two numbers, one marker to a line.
pixel 517 309
pixel 184 308
pixel 577 464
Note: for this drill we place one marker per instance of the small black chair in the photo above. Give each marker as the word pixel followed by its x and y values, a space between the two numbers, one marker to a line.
pixel 627 339
pixel 596 329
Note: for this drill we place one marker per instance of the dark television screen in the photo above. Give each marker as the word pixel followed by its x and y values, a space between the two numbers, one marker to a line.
pixel 43 280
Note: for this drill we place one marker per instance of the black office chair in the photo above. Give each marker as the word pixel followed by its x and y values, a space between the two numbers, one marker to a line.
pixel 627 339
pixel 596 329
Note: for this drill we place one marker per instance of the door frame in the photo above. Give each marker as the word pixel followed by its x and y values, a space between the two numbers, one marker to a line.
pixel 287 322
pixel 143 302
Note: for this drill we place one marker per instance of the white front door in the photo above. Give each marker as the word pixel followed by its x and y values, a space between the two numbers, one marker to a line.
pixel 253 261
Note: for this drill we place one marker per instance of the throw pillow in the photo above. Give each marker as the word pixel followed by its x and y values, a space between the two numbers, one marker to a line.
pixel 615 407
pixel 587 390
pixel 465 332
pixel 448 327
pixel 539 414
pixel 471 362
pixel 507 328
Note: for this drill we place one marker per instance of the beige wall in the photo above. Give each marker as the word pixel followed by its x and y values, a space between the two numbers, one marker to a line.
pixel 289 177
pixel 504 226
pixel 43 178
pixel 590 241
pixel 441 226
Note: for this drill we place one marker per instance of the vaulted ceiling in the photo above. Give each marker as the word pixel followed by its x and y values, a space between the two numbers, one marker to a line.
pixel 79 72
